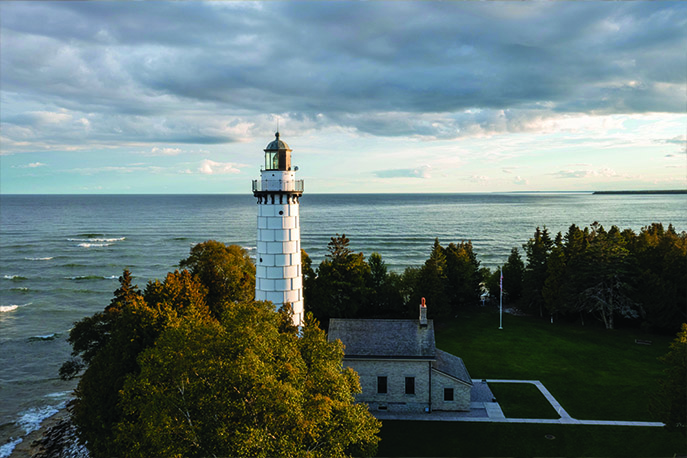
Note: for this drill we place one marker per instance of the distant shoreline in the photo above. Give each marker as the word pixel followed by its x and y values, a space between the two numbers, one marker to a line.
pixel 664 191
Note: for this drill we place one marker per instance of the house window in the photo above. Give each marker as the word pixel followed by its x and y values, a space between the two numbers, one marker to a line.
pixel 381 385
pixel 410 385
pixel 448 394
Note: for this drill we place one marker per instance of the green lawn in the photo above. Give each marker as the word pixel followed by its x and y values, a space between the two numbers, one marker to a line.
pixel 430 438
pixel 522 400
pixel 595 374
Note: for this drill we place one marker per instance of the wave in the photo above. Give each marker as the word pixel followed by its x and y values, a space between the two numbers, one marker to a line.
pixel 89 235
pixel 11 307
pixel 90 245
pixel 59 394
pixel 30 420
pixel 14 277
pixel 90 277
pixel 44 338
pixel 22 289
pixel 109 240
pixel 6 449
pixel 39 259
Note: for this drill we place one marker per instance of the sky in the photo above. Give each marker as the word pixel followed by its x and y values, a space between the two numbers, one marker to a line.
pixel 371 96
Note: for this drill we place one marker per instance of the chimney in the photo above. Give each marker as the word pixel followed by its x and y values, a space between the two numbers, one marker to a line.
pixel 423 314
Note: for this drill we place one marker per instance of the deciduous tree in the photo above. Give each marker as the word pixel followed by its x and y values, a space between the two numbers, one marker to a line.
pixel 244 387
pixel 227 271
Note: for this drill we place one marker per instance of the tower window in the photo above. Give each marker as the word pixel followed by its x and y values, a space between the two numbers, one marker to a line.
pixel 281 212
pixel 410 385
pixel 381 385
pixel 448 394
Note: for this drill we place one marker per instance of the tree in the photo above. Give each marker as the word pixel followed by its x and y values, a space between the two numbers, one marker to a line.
pixel 110 342
pixel 513 273
pixel 537 250
pixel 607 290
pixel 244 387
pixel 661 257
pixel 432 283
pixel 463 276
pixel 90 335
pixel 227 271
pixel 341 286
pixel 670 403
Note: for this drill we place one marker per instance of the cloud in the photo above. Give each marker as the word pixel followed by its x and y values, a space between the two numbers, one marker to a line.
pixel 418 172
pixel 479 179
pixel 32 165
pixel 573 173
pixel 201 73
pixel 157 151
pixel 520 180
pixel 209 167
pixel 602 172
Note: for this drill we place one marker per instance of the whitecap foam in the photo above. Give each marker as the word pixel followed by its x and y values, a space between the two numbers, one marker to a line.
pixel 91 245
pixel 108 240
pixel 30 420
pixel 85 277
pixel 14 277
pixel 59 394
pixel 7 448
pixel 52 336
pixel 48 258
pixel 11 307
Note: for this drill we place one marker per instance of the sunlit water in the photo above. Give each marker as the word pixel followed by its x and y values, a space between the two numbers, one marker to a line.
pixel 61 255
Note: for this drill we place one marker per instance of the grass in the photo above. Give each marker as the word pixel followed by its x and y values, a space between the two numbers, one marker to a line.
pixel 522 400
pixel 429 438
pixel 595 374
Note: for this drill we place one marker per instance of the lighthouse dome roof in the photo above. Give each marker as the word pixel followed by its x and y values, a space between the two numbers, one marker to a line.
pixel 277 144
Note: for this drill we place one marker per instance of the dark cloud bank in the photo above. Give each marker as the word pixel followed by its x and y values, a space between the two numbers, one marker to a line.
pixel 183 72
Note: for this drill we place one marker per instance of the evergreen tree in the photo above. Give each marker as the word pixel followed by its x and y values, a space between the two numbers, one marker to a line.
pixel 661 258
pixel 513 273
pixel 537 250
pixel 340 289
pixel 607 292
pixel 134 321
pixel 432 283
pixel 670 401
pixel 463 276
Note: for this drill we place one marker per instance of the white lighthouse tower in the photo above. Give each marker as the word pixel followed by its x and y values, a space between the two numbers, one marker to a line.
pixel 278 276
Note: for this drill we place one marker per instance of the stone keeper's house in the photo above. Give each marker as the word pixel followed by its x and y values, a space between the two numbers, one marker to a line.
pixel 400 368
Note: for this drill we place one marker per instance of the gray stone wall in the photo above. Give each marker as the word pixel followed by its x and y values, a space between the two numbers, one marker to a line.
pixel 461 393
pixel 395 399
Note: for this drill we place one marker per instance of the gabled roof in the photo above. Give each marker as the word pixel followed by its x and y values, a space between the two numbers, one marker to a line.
pixel 452 366
pixel 387 339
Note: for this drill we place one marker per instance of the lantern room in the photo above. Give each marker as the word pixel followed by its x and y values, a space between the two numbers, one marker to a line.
pixel 277 155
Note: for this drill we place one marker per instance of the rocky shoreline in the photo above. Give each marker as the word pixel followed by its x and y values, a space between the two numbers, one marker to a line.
pixel 56 438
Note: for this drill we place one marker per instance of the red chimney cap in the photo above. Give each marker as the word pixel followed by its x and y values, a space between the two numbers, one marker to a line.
pixel 423 302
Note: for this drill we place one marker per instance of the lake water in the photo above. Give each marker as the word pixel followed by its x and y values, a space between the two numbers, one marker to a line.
pixel 60 256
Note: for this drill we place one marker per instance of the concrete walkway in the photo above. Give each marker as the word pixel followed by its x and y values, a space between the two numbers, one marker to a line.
pixel 483 408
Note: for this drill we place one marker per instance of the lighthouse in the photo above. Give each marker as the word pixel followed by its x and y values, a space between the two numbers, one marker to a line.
pixel 278 275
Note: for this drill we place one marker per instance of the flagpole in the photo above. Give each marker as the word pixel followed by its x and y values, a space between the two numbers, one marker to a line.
pixel 501 300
